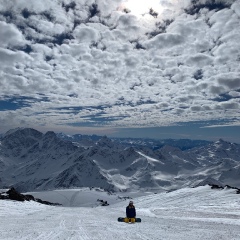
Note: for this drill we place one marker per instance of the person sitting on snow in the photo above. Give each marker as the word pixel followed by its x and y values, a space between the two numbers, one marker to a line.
pixel 130 210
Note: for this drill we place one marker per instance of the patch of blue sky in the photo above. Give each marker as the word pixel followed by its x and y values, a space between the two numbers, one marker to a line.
pixel 7 105
pixel 224 98
pixel 79 108
pixel 18 102
pixel 12 104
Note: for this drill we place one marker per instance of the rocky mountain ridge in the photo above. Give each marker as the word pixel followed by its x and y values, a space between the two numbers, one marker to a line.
pixel 31 160
pixel 154 144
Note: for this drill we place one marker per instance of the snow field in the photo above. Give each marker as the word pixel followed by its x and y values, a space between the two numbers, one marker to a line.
pixel 186 214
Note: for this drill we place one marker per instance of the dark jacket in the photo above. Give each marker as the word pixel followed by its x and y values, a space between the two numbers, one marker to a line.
pixel 131 211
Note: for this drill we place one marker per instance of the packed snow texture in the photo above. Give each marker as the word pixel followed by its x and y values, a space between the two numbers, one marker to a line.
pixel 186 214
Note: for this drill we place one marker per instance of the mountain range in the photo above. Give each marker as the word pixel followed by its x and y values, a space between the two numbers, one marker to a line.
pixel 183 144
pixel 31 160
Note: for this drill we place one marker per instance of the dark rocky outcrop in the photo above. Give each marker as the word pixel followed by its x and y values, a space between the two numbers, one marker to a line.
pixel 103 203
pixel 237 189
pixel 46 202
pixel 214 186
pixel 13 194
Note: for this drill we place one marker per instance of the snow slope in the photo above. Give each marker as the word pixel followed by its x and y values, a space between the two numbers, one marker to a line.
pixel 186 214
pixel 83 197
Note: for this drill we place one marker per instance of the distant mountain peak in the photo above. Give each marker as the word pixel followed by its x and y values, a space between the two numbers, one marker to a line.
pixel 62 135
pixel 11 131
pixel 170 148
pixel 50 134
pixel 221 141
pixel 24 131
pixel 105 142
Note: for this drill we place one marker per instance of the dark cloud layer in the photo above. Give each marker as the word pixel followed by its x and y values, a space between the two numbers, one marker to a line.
pixel 99 63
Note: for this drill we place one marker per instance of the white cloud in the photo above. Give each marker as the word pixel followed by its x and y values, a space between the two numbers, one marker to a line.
pixel 137 71
pixel 165 40
pixel 9 57
pixel 230 80
pixel 199 60
pixel 86 34
pixel 234 124
pixel 10 35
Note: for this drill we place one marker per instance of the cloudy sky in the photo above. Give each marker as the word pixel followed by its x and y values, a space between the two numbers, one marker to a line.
pixel 156 68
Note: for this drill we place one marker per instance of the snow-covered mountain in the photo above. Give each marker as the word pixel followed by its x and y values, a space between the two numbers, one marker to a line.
pixel 216 152
pixel 80 140
pixel 31 160
pixel 154 144
pixel 42 161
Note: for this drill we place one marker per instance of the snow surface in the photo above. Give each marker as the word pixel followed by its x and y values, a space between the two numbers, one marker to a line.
pixel 186 214
pixel 83 197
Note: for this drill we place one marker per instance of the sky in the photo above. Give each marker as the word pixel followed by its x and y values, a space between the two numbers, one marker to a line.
pixel 123 68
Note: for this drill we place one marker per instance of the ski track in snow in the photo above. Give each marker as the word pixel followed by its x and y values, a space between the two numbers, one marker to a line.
pixel 72 200
pixel 186 214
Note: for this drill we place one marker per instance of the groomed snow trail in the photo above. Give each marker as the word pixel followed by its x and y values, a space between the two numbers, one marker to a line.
pixel 187 214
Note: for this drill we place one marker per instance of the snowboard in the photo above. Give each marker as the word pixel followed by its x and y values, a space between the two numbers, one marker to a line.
pixel 129 220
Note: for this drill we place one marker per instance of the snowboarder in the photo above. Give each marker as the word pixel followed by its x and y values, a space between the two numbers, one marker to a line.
pixel 130 214
pixel 130 210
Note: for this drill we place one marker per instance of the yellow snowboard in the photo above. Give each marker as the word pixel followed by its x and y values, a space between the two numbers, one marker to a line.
pixel 129 220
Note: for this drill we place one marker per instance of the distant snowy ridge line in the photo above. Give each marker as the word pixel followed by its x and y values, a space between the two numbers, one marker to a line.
pixel 183 144
pixel 31 160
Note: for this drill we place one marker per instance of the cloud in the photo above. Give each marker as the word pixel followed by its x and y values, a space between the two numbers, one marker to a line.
pixel 231 81
pixel 234 124
pixel 9 57
pixel 85 34
pixel 199 60
pixel 10 35
pixel 100 66
pixel 228 105
pixel 164 40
